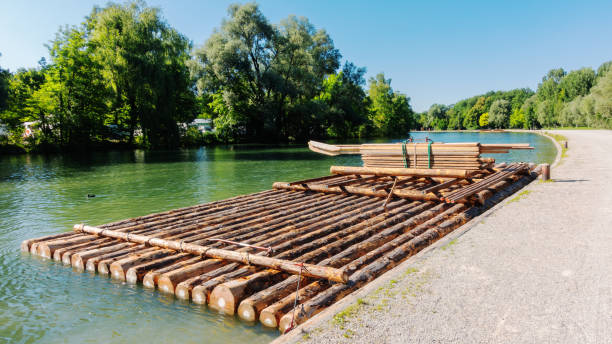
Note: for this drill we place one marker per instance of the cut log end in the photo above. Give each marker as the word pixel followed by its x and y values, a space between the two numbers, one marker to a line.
pixel 182 292
pixel 116 272
pixel 198 295
pixel 66 258
pixel 25 246
pixel 222 300
pixel 148 281
pixel 44 251
pixel 165 285
pixel 90 266
pixel 131 277
pixel 287 322
pixel 247 312
pixel 268 319
pixel 77 263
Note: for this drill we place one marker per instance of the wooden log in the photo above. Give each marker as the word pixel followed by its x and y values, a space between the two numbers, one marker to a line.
pixel 201 293
pixel 408 194
pixel 183 289
pixel 361 277
pixel 224 298
pixel 545 172
pixel 80 259
pixel 118 269
pixel 46 249
pixel 278 264
pixel 26 244
pixel 167 282
pixel 435 215
pixel 449 173
pixel 135 274
pixel 271 315
pixel 250 307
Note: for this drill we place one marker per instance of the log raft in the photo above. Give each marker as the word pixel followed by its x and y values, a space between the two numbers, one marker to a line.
pixel 309 242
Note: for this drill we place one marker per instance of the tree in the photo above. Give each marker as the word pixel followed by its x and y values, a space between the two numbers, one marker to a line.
pixel 4 87
pixel 390 112
pixel 436 117
pixel 499 113
pixel 483 121
pixel 144 61
pixel 269 75
pixel 343 101
pixel 577 83
pixel 470 120
pixel 602 96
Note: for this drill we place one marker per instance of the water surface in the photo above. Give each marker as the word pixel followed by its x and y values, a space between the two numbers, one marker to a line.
pixel 41 301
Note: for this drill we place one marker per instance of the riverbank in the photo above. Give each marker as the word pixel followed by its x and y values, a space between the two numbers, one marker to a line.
pixel 533 269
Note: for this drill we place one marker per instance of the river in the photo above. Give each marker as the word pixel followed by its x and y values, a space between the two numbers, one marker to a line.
pixel 42 301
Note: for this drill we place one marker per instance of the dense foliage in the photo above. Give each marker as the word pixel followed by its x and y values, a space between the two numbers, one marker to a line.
pixel 124 76
pixel 579 98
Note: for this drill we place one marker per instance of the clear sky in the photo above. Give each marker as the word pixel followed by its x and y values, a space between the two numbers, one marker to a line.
pixel 434 51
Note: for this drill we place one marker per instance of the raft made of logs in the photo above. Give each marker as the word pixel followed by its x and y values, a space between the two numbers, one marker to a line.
pixel 305 243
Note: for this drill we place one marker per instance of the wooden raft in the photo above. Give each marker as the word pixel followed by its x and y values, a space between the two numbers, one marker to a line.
pixel 318 239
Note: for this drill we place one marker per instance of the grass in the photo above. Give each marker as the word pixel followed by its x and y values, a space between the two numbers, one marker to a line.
pixel 451 243
pixel 560 139
pixel 520 196
pixel 341 317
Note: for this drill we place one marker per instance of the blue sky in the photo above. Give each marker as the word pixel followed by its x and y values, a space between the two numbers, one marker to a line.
pixel 434 51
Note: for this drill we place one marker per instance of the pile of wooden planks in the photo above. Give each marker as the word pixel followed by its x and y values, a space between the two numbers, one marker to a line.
pixel 421 155
pixel 311 241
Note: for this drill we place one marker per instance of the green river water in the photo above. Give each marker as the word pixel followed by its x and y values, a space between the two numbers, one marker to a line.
pixel 42 301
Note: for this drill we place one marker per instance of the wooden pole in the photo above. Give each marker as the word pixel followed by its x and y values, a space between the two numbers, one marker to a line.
pixel 245 258
pixel 448 173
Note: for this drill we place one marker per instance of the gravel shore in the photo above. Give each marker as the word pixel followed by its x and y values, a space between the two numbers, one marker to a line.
pixel 537 269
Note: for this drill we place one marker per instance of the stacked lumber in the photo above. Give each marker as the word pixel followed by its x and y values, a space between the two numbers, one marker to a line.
pixel 309 242
pixel 421 155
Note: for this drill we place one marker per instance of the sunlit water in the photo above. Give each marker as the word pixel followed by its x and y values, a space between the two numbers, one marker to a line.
pixel 41 301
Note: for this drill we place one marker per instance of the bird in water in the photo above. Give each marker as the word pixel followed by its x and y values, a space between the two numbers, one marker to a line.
pixel 91 195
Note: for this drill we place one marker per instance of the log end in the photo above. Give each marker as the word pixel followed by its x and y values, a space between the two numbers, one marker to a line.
pixel 131 276
pixel 25 246
pixel 66 258
pixel 34 248
pixel 77 263
pixel 165 285
pixel 198 295
pixel 116 272
pixel 90 266
pixel 268 318
pixel 148 281
pixel 247 312
pixel 182 292
pixel 103 268
pixel 44 251
pixel 222 300
pixel 57 255
pixel 287 322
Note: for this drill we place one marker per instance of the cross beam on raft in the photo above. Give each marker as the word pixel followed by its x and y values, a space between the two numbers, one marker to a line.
pixel 295 268
pixel 389 171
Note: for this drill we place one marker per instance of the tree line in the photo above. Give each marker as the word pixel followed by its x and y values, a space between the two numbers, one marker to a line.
pixel 580 98
pixel 124 76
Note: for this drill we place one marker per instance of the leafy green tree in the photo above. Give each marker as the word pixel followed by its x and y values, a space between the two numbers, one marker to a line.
pixel 602 96
pixel 436 117
pixel 390 112
pixel 269 75
pixel 470 120
pixel 499 113
pixel 577 83
pixel 144 61
pixel 518 119
pixel 483 121
pixel 343 101
pixel 4 87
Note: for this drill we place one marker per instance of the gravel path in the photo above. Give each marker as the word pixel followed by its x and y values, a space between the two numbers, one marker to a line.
pixel 536 270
